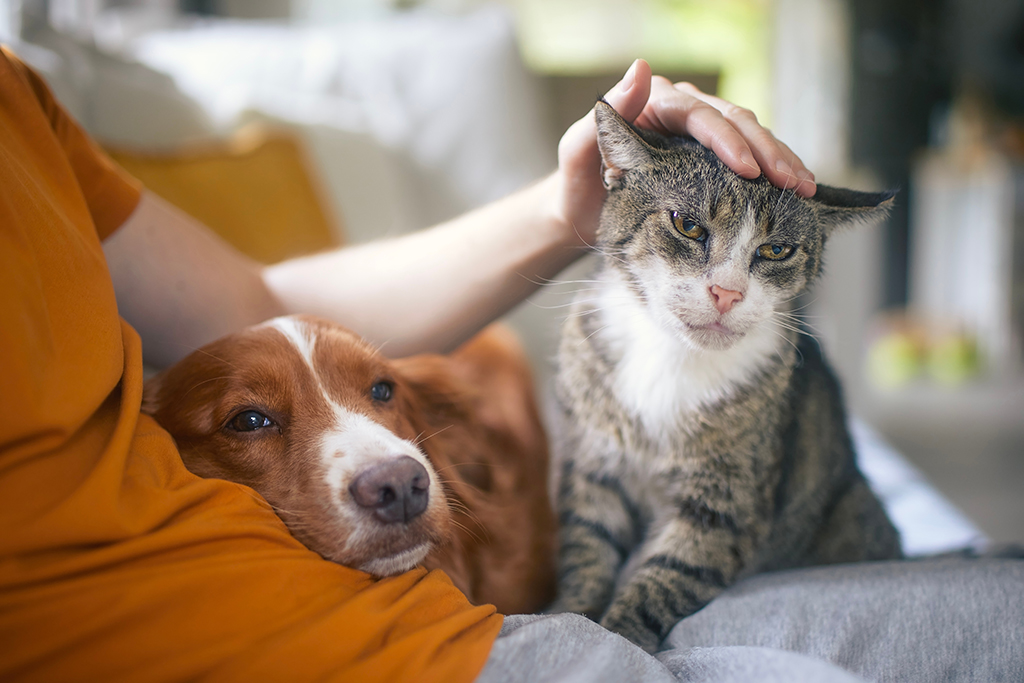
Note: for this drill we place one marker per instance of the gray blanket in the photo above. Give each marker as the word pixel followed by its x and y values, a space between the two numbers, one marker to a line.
pixel 929 621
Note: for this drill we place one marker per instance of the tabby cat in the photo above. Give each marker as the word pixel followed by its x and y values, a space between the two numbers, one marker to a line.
pixel 705 439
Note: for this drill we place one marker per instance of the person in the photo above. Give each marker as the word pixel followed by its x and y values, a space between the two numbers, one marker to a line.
pixel 117 564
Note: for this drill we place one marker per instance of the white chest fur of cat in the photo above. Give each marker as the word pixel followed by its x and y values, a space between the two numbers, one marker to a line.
pixel 704 438
pixel 662 375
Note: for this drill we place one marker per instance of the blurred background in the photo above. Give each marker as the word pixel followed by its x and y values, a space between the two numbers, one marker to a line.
pixel 290 125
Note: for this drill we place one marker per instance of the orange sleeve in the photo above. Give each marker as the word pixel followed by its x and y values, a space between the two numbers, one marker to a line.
pixel 110 193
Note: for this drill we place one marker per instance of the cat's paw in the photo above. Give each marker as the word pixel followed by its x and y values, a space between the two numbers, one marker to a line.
pixel 630 624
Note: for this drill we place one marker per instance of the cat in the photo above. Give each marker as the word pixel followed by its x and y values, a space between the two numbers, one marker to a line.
pixel 704 437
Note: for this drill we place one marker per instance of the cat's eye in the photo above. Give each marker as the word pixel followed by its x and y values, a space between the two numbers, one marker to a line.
pixel 249 421
pixel 382 391
pixel 688 227
pixel 774 252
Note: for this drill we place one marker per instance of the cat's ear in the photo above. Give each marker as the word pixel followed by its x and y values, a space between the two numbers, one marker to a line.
pixel 622 149
pixel 838 207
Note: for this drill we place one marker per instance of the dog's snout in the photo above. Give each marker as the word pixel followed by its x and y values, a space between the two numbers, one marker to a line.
pixel 396 490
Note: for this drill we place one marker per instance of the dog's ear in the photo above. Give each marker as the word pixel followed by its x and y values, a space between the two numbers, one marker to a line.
pixel 444 407
pixel 427 400
pixel 433 385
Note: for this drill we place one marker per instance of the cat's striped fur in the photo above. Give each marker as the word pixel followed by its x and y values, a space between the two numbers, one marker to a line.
pixel 700 446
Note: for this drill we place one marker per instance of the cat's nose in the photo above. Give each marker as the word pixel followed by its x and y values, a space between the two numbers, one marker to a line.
pixel 725 299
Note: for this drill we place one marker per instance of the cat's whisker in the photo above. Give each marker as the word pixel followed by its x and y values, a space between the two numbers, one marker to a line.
pixel 795 315
pixel 799 322
pixel 606 306
pixel 616 258
pixel 792 194
pixel 796 297
pixel 569 304
pixel 784 199
pixel 795 178
pixel 610 255
pixel 796 330
pixel 587 338
pixel 582 289
pixel 584 312
pixel 786 319
pixel 791 343
pixel 555 307
pixel 792 311
pixel 554 283
pixel 801 308
pixel 778 203
pixel 812 334
pixel 576 230
pixel 551 283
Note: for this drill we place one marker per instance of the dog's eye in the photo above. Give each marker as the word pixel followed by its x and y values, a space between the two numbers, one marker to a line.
pixel 381 391
pixel 250 421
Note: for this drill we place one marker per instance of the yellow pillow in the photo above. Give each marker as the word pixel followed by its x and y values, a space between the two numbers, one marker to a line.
pixel 254 190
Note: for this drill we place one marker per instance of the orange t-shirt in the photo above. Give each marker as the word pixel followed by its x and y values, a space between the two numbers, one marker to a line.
pixel 116 563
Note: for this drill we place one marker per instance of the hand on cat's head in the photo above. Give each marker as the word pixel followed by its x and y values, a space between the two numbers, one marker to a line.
pixel 732 132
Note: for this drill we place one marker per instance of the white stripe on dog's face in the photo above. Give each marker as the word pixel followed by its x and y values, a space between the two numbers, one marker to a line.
pixel 301 337
pixel 351 445
pixel 355 445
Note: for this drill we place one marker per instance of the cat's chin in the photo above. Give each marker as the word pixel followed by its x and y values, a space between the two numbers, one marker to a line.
pixel 712 337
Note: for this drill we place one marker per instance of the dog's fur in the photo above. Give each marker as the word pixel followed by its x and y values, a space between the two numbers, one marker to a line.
pixel 307 389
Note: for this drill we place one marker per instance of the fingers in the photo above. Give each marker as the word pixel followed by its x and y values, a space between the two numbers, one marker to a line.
pixel 582 193
pixel 732 132
pixel 804 179
pixel 673 112
pixel 782 167
pixel 628 97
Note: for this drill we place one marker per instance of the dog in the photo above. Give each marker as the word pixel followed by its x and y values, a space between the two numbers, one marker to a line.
pixel 374 463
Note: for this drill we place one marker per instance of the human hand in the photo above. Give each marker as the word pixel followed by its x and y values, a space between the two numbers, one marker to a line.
pixel 732 132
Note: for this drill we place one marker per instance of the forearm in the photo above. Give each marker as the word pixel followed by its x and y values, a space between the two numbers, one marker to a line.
pixel 431 290
pixel 179 285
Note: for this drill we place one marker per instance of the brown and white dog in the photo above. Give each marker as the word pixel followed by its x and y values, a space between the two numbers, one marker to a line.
pixel 374 463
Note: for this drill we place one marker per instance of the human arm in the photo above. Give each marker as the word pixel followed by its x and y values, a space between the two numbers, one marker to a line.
pixel 181 287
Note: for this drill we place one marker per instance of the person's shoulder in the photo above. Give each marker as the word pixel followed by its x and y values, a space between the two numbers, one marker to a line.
pixel 18 75
pixel 9 61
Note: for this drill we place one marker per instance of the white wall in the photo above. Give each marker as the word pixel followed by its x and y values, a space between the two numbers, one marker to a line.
pixel 811 109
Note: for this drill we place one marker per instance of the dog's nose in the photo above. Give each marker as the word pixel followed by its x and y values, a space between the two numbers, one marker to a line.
pixel 396 490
